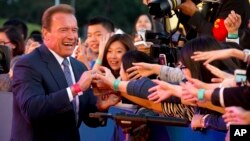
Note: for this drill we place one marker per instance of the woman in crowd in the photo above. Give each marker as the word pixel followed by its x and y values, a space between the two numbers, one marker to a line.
pixel 111 51
pixel 10 36
pixel 142 24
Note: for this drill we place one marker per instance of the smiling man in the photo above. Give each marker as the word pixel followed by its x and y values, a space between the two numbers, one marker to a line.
pixel 52 93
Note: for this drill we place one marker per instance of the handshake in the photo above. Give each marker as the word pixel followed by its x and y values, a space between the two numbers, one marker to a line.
pixel 101 82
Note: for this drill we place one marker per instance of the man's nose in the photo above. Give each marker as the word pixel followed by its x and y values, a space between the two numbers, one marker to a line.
pixel 72 35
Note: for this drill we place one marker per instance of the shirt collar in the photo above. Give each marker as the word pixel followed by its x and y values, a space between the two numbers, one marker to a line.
pixel 58 57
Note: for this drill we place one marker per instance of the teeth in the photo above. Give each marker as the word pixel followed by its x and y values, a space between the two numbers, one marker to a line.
pixel 113 62
pixel 68 44
pixel 94 45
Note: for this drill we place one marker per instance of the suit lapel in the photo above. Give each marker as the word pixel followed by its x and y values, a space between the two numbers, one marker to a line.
pixel 76 71
pixel 53 66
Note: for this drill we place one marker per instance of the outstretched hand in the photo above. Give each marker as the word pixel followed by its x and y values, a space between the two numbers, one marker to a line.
pixel 197 83
pixel 162 91
pixel 103 88
pixel 232 22
pixel 140 70
pixel 189 94
pixel 210 56
pixel 106 100
pixel 236 115
pixel 85 80
pixel 217 72
pixel 104 77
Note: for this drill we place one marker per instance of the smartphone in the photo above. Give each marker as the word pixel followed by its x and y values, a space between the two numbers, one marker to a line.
pixel 240 77
pixel 162 59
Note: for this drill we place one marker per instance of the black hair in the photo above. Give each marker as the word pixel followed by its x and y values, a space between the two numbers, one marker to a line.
pixel 134 56
pixel 19 24
pixel 197 69
pixel 105 22
pixel 36 36
pixel 15 38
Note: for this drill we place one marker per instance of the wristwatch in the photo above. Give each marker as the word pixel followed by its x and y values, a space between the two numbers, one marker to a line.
pixel 246 54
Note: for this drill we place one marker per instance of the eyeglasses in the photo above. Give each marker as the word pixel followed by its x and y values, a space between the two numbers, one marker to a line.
pixel 183 67
pixel 4 43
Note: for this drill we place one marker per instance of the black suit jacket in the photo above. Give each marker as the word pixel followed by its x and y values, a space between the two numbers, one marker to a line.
pixel 41 107
pixel 233 96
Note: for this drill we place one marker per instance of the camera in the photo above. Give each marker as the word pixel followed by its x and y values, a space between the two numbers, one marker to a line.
pixel 161 46
pixel 165 42
pixel 160 8
pixel 157 37
pixel 4 59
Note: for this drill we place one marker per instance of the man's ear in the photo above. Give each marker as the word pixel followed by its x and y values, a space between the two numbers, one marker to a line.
pixel 45 34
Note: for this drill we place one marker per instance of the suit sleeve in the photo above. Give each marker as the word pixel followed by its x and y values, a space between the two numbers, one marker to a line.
pixel 139 88
pixel 235 96
pixel 31 97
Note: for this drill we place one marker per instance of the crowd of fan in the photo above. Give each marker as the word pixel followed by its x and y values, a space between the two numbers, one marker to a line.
pixel 201 88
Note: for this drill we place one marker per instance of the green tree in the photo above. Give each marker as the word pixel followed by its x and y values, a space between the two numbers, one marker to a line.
pixel 122 12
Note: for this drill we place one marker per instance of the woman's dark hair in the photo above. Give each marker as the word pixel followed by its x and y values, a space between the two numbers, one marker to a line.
pixel 135 56
pixel 197 69
pixel 15 38
pixel 126 40
pixel 20 25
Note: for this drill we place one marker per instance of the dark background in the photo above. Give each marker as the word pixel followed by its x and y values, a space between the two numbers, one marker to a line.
pixel 122 12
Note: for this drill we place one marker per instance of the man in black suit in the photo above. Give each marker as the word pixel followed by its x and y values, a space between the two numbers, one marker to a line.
pixel 51 98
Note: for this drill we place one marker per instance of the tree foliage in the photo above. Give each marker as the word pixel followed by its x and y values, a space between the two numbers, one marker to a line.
pixel 122 12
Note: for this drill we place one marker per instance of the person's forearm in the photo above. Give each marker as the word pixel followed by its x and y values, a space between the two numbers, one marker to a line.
pixel 98 61
pixel 211 86
pixel 237 54
pixel 208 94
pixel 123 86
pixel 157 68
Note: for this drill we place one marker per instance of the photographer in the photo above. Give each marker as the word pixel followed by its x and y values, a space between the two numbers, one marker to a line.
pixel 202 26
pixel 218 8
